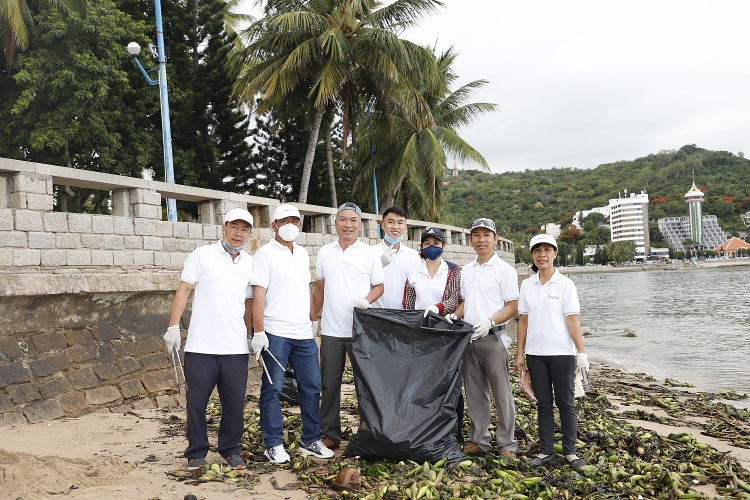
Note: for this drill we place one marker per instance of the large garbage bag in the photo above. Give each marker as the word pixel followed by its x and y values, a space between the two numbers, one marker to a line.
pixel 289 392
pixel 407 372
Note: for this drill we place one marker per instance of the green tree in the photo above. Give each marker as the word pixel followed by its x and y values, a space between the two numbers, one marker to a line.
pixel 592 221
pixel 598 236
pixel 343 53
pixel 620 251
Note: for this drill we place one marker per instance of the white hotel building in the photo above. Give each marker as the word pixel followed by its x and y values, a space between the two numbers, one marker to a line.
pixel 628 221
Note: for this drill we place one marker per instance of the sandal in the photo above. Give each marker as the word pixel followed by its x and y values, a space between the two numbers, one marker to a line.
pixel 577 463
pixel 537 462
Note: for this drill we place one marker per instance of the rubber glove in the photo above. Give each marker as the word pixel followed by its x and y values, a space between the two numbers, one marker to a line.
pixel 361 304
pixel 259 342
pixel 388 256
pixel 314 328
pixel 432 308
pixel 481 329
pixel 172 338
pixel 582 361
pixel 451 317
pixel 578 385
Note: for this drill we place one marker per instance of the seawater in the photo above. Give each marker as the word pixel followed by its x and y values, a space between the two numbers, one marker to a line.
pixel 690 325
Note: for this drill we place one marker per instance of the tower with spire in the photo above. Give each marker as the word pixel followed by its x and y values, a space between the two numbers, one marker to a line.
pixel 694 199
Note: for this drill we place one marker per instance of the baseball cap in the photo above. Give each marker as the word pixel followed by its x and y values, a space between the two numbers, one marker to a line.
pixel 286 210
pixel 483 223
pixel 238 214
pixel 542 238
pixel 350 206
pixel 435 232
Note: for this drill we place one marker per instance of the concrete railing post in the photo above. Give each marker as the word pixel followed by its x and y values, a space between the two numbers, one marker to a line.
pixel 140 203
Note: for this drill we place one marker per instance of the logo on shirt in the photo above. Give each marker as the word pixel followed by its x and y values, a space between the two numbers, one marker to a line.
pixel 553 296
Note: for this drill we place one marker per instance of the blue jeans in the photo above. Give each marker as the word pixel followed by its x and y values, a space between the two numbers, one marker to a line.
pixel 303 356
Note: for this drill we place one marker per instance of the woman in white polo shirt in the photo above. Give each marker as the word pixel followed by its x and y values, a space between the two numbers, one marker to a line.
pixel 550 334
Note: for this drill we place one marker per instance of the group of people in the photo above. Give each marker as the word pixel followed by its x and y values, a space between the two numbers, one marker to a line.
pixel 267 296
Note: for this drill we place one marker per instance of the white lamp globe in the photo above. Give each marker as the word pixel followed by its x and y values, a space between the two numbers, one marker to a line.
pixel 134 49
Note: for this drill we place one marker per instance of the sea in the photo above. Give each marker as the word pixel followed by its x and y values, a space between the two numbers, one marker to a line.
pixel 689 325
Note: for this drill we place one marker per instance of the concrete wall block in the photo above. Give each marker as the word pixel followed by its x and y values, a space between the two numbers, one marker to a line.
pixel 6 404
pixel 164 228
pixel 30 183
pixel 146 211
pixel 92 241
pixel 143 258
pixel 121 203
pixel 49 341
pixel 122 258
pixel 145 227
pixel 187 246
pixel 55 387
pixel 102 224
pixel 180 229
pixel 195 231
pixel 84 378
pixel 6 219
pixel 26 257
pixel 15 239
pixel 123 225
pixel 41 240
pixel 162 259
pixel 131 388
pixel 135 242
pixel 149 197
pixel 41 202
pixel 103 395
pixel 201 243
pixel 13 419
pixel 68 240
pixel 79 257
pixel 73 402
pixel 161 380
pixel 29 220
pixel 102 258
pixel 170 244
pixel 23 393
pixel 43 367
pixel 113 242
pixel 56 222
pixel 14 373
pixel 54 257
pixel 177 258
pixel 6 259
pixel 43 411
pixel 211 232
pixel 17 200
pixel 152 243
pixel 79 223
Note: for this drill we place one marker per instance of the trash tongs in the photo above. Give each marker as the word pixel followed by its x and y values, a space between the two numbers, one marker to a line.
pixel 265 369
pixel 175 362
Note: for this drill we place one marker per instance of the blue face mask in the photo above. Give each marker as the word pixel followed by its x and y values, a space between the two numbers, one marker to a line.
pixel 432 252
pixel 392 241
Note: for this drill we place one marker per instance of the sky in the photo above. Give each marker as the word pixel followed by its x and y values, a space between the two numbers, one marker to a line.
pixel 582 83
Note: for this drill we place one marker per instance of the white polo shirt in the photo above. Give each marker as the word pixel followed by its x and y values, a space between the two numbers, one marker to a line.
pixel 429 289
pixel 547 306
pixel 286 277
pixel 217 324
pixel 349 275
pixel 487 287
pixel 396 273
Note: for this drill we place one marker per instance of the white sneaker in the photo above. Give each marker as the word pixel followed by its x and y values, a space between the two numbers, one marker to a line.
pixel 277 454
pixel 316 449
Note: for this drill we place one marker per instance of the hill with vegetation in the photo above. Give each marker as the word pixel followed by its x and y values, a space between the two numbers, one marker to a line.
pixel 520 202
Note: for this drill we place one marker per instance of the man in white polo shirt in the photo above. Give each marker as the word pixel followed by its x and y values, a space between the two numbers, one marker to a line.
pixel 281 309
pixel 349 275
pixel 489 286
pixel 216 351
pixel 397 260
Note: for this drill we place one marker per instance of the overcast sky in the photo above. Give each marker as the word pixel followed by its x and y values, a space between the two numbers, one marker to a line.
pixel 581 83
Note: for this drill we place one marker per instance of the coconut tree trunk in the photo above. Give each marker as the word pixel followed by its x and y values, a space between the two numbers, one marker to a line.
pixel 310 155
pixel 331 174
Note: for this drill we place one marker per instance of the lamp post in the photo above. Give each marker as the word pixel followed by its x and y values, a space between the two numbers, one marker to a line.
pixel 134 49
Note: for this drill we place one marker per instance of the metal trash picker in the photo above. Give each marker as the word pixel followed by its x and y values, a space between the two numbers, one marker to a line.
pixel 175 362
pixel 265 369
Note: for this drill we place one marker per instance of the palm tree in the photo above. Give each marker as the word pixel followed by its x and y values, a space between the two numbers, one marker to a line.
pixel 342 53
pixel 16 18
pixel 411 158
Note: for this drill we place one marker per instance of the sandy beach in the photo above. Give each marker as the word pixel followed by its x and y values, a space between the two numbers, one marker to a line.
pixel 128 455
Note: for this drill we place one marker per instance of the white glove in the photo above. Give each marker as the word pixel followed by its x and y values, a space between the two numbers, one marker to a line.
pixel 578 385
pixel 432 308
pixel 582 361
pixel 314 328
pixel 361 304
pixel 259 342
pixel 451 317
pixel 172 338
pixel 388 256
pixel 481 329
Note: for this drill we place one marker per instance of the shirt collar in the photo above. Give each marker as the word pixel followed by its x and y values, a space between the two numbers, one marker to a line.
pixel 280 246
pixel 222 250
pixel 489 262
pixel 387 247
pixel 553 279
pixel 423 267
pixel 353 245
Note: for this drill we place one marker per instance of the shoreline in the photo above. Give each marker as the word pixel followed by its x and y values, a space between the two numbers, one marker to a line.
pixel 681 266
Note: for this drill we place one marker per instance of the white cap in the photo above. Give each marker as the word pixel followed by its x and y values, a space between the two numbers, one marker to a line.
pixel 286 210
pixel 238 214
pixel 542 238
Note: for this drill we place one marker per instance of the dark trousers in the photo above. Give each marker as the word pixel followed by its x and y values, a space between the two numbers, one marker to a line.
pixel 228 373
pixel 333 352
pixel 546 373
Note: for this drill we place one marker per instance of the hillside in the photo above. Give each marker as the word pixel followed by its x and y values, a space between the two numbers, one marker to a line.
pixel 520 202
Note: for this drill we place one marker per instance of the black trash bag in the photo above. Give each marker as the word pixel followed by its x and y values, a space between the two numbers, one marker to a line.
pixel 289 392
pixel 407 372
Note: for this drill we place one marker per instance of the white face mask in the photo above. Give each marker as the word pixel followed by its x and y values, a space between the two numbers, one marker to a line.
pixel 289 232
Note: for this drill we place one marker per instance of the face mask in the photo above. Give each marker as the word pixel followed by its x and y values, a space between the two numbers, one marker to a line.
pixel 392 241
pixel 229 248
pixel 432 252
pixel 288 232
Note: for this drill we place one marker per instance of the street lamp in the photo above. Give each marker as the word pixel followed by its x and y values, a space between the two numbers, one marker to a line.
pixel 134 49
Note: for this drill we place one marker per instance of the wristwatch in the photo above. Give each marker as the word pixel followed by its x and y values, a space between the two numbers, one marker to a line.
pixel 492 321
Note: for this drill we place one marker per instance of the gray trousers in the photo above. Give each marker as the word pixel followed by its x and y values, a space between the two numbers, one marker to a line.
pixel 333 351
pixel 558 373
pixel 485 366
